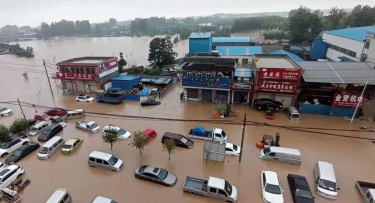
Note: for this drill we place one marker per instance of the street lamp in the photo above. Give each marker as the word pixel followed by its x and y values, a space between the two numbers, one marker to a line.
pixel 361 98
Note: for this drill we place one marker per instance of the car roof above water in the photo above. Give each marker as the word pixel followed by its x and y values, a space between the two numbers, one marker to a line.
pixel 285 150
pixel 100 155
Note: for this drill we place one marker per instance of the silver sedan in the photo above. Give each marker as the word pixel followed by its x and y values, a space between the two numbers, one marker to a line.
pixel 156 175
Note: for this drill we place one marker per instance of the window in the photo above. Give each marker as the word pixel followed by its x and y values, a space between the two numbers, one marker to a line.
pixel 99 161
pixel 264 178
pixel 105 163
pixel 73 70
pixel 79 70
pixel 50 149
pixel 92 159
pixel 208 74
pixel 55 145
pixel 92 71
pixel 66 196
pixel 272 154
pixel 367 43
pixel 189 74
pixel 228 149
pixel 222 192
pixel 199 74
pixel 213 190
pixel 342 50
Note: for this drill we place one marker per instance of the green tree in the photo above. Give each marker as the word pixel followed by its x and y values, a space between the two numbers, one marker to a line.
pixel 97 28
pixel 336 19
pixel 169 146
pixel 112 22
pixel 121 63
pixel 18 125
pixel 139 141
pixel 304 26
pixel 4 133
pixel 153 70
pixel 161 51
pixel 361 16
pixel 110 136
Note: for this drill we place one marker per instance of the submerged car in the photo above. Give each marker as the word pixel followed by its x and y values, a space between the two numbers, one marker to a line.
pixel 271 188
pixel 122 133
pixel 56 112
pixel 268 104
pixel 21 152
pixel 58 120
pixel 300 189
pixel 179 140
pixel 232 149
pixel 5 111
pixel 150 134
pixel 156 175
pixel 42 117
pixel 49 132
pixel 31 121
pixel 149 102
pixel 71 145
pixel 84 98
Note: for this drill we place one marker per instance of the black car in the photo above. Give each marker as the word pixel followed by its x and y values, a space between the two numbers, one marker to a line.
pixel 21 152
pixel 149 102
pixel 300 189
pixel 49 132
pixel 31 122
pixel 267 104
pixel 179 140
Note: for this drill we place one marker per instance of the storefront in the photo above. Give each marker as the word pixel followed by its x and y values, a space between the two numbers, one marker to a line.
pixel 222 96
pixel 241 97
pixel 206 95
pixel 67 84
pixel 92 86
pixel 192 94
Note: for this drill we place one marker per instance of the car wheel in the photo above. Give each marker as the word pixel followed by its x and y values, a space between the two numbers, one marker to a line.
pixel 3 154
pixel 2 114
pixel 77 100
pixel 277 109
pixel 260 107
pixel 87 101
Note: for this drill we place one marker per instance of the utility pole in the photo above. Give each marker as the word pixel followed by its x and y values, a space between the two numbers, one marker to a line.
pixel 243 135
pixel 23 113
pixel 49 82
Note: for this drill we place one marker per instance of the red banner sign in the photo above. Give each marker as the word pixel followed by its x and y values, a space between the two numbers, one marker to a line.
pixel 279 74
pixel 277 86
pixel 347 100
pixel 75 76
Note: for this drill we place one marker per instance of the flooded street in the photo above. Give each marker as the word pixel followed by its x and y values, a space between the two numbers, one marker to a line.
pixel 353 159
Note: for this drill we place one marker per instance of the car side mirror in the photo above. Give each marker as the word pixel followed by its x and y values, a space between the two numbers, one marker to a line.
pixel 338 188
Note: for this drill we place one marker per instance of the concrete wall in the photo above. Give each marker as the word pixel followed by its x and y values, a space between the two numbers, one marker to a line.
pixel 346 43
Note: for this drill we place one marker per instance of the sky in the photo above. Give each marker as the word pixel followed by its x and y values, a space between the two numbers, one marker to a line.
pixel 34 12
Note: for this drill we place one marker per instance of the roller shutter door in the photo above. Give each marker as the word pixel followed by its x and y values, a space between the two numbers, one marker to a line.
pixel 264 95
pixel 221 97
pixel 68 85
pixel 240 97
pixel 80 86
pixel 285 99
pixel 93 87
pixel 192 93
pixel 207 95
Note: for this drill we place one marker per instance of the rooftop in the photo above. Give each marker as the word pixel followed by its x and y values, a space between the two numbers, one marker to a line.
pixel 200 35
pixel 242 72
pixel 337 72
pixel 87 60
pixel 209 61
pixel 125 78
pixel 274 61
pixel 291 55
pixel 356 33
pixel 231 39
pixel 238 50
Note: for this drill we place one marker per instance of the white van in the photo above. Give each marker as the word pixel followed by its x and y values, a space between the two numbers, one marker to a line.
pixel 325 179
pixel 281 154
pixel 101 199
pixel 105 160
pixel 50 147
pixel 60 195
pixel 292 113
pixel 78 113
pixel 37 128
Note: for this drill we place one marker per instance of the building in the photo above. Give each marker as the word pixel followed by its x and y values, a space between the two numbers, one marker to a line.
pixel 345 44
pixel 242 86
pixel 87 74
pixel 291 55
pixel 232 41
pixel 242 55
pixel 207 79
pixel 200 43
pixel 277 77
pixel 127 85
pixel 369 48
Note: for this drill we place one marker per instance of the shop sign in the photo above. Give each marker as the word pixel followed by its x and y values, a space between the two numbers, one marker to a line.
pixel 279 74
pixel 277 86
pixel 210 82
pixel 108 67
pixel 347 100
pixel 242 85
pixel 75 76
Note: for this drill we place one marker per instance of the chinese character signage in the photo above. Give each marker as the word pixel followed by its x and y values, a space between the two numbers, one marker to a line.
pixel 211 82
pixel 279 74
pixel 75 76
pixel 347 100
pixel 277 86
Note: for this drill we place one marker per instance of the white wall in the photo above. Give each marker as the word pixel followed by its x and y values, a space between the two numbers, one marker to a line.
pixel 350 44
pixel 371 51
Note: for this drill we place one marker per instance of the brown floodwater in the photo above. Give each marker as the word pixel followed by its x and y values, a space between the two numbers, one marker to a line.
pixel 353 159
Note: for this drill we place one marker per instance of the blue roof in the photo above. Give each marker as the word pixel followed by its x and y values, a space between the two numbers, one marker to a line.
pixel 125 78
pixel 242 72
pixel 296 48
pixel 230 39
pixel 356 33
pixel 239 50
pixel 346 59
pixel 253 41
pixel 201 35
pixel 291 55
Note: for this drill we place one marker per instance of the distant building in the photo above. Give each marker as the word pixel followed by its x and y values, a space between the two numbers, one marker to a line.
pixel 87 74
pixel 242 55
pixel 200 42
pixel 369 48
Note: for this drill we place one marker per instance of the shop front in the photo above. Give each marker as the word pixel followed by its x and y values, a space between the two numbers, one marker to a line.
pixel 206 95
pixel 206 89
pixel 78 82
pixel 278 90
pixel 192 94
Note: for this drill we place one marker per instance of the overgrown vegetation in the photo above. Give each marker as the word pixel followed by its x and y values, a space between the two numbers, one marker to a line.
pixel 18 50
pixel 4 133
pixel 110 136
pixel 153 70
pixel 139 141
pixel 161 51
pixel 18 125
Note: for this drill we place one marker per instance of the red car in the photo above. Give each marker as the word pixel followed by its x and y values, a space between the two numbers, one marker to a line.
pixel 150 133
pixel 56 112
pixel 42 117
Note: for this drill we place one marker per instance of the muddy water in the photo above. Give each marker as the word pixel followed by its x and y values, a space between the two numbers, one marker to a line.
pixel 353 159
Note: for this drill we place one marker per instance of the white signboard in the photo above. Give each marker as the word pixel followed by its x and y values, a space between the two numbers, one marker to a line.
pixel 214 151
pixel 112 70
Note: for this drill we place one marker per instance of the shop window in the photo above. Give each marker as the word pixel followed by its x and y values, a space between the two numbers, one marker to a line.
pixel 208 74
pixel 73 70
pixel 367 44
pixel 189 74
pixel 199 74
pixel 79 70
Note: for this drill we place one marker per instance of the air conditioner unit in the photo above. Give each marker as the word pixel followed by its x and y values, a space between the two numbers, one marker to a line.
pixel 363 57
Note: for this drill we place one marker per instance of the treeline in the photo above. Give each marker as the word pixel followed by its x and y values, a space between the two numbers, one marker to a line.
pixel 18 50
pixel 260 23
pixel 65 28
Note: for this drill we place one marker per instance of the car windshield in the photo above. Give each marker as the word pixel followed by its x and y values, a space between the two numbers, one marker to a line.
pixel 184 140
pixel 295 116
pixel 5 145
pixel 304 193
pixel 46 132
pixel 121 131
pixel 235 148
pixel 87 97
pixel 3 109
pixel 223 133
pixel 328 185
pixel 45 116
pixel 94 125
pixel 43 150
pixel 228 188
pixel 266 150
pixel 112 161
pixel 274 189
pixel 33 129
pixel 163 174
pixel 17 153
pixel 67 146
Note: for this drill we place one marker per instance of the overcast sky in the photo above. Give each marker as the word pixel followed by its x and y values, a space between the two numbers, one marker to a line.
pixel 33 12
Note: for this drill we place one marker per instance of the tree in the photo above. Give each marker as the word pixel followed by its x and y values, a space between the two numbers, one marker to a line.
pixel 4 133
pixel 336 19
pixel 304 26
pixel 121 63
pixel 112 22
pixel 139 141
pixel 169 146
pixel 110 136
pixel 161 51
pixel 292 13
pixel 361 16
pixel 97 28
pixel 18 125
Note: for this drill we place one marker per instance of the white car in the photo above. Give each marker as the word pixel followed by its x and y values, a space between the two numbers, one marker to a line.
pixel 13 143
pixel 84 98
pixel 101 199
pixel 2 166
pixel 10 174
pixel 5 111
pixel 271 188
pixel 122 133
pixel 232 149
